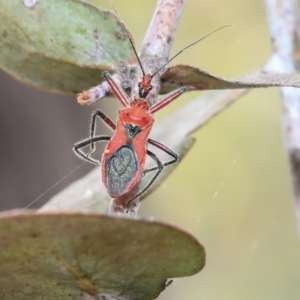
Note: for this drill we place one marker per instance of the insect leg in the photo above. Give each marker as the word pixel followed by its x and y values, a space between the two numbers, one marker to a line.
pixel 116 90
pixel 77 148
pixel 105 119
pixel 166 150
pixel 158 168
pixel 171 97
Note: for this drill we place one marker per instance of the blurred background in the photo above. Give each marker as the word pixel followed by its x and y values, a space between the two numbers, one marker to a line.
pixel 232 191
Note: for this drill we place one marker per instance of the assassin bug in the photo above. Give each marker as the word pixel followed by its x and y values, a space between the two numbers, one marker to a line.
pixel 123 160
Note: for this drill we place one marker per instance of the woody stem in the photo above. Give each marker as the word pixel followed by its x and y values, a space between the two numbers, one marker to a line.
pixel 156 47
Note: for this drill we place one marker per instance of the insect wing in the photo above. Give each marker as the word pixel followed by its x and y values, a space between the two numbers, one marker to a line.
pixel 121 170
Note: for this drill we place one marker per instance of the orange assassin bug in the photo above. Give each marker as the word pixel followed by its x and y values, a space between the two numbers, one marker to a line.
pixel 123 160
pixel 124 157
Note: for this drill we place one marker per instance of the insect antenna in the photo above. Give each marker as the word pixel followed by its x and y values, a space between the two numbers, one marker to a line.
pixel 130 40
pixel 189 47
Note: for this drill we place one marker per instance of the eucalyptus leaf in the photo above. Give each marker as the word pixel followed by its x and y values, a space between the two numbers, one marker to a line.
pixel 197 79
pixel 61 46
pixel 78 256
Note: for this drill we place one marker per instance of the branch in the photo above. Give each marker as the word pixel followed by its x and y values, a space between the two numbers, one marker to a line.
pixel 284 28
pixel 98 92
pixel 154 53
pixel 158 41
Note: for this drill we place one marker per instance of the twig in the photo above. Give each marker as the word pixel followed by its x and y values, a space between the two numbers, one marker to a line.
pixel 158 41
pixel 98 92
pixel 284 24
pixel 154 52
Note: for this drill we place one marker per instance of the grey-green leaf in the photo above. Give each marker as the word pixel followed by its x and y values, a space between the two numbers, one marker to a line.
pixel 81 256
pixel 197 79
pixel 60 45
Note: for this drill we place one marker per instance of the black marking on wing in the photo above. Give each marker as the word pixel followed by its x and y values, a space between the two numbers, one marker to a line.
pixel 132 130
pixel 122 168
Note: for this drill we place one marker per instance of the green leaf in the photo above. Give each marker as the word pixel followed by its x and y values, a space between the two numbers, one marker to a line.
pixel 60 45
pixel 77 256
pixel 197 79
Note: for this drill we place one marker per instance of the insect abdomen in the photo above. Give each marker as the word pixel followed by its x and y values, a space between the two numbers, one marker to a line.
pixel 121 170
